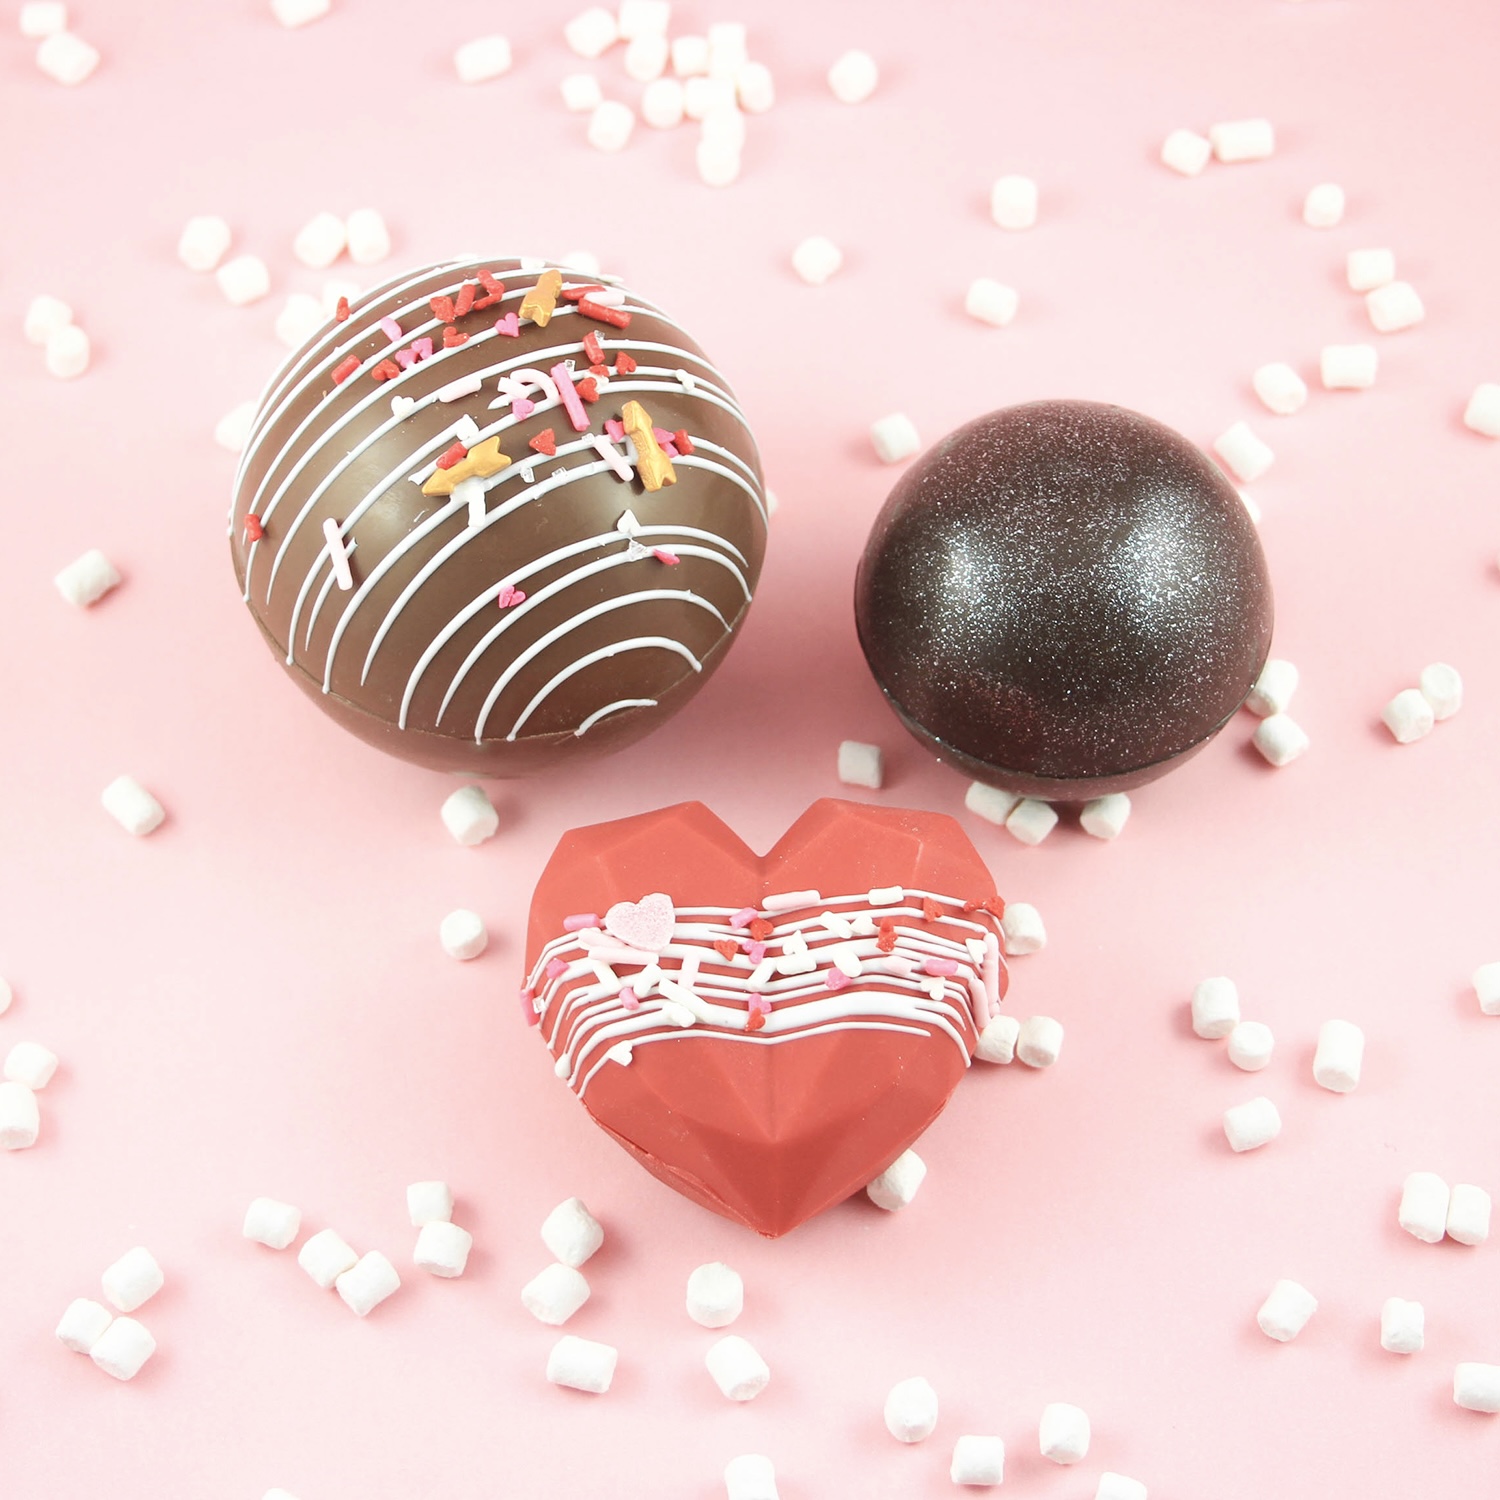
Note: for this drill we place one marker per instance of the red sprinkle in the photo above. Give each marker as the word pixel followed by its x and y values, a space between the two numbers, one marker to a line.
pixel 683 441
pixel 254 531
pixel 442 307
pixel 761 929
pixel 598 369
pixel 387 369
pixel 455 455
pixel 728 948
pixel 591 347
pixel 755 1020
pixel 341 311
pixel 345 368
pixel 588 388
pixel 452 338
pixel 995 906
pixel 466 295
pixel 930 910
pixel 624 365
pixel 886 942
pixel 577 293
pixel 616 317
pixel 544 442
pixel 665 555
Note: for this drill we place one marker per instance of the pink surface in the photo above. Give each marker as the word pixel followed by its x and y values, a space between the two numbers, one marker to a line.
pixel 253 1001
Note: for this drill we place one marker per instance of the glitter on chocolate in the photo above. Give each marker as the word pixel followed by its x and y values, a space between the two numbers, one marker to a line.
pixel 1064 599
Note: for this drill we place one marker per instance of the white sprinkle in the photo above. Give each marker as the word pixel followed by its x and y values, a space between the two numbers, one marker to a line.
pixel 456 390
pixel 326 1256
pixel 554 1294
pixel 715 1295
pixel 1022 929
pixel 1368 269
pixel 300 318
pixel 662 103
pixel 367 1283
pixel 1476 1387
pixel 991 302
pixel 132 1280
pixel 244 279
pixel 470 816
pixel 1482 414
pixel 1285 1313
pixel 232 430
pixel 861 765
pixel 791 901
pixel 1039 1041
pixel 83 1325
pixel 1252 1125
pixel 1013 202
pixel 1114 1486
pixel 571 1232
pixel 87 579
pixel 1394 307
pixel 292 13
pixel 1402 1326
pixel 32 1064
pixel 1186 151
pixel 1242 140
pixel 429 1202
pixel 1031 820
pixel 41 18
pixel 1486 982
pixel 463 934
pixel 644 18
pixel 911 1410
pixel 610 125
pixel 132 806
pixel 1443 688
pixel 1243 453
pixel 989 802
pixel 689 56
pixel 755 88
pixel 1408 716
pixel 1065 1434
pixel 1216 1008
pixel 123 1348
pixel 45 315
pixel 737 1368
pixel 1280 388
pixel 484 58
pixel 1280 739
pixel 1105 817
pixel 816 259
pixel 321 240
pixel 203 243
pixel 581 93
pixel 646 57
pixel 443 1249
pixel 1423 1213
pixel 66 58
pixel 338 554
pixel 582 1365
pixel 853 77
pixel 1348 367
pixel 271 1223
pixel 592 33
pixel 1250 1045
pixel 68 352
pixel 997 1042
pixel 20 1120
pixel 898 1184
pixel 978 1461
pixel 1323 207
pixel 1468 1219
pixel 369 239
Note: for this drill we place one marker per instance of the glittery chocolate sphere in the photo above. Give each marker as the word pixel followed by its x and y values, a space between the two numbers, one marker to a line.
pixel 1064 599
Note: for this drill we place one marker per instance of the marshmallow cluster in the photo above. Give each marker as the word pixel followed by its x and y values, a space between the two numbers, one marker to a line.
pixel 1187 152
pixel 1430 1210
pixel 48 322
pixel 1413 712
pixel 118 1346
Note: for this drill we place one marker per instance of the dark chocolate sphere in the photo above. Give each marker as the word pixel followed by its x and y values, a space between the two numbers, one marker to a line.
pixel 491 520
pixel 1064 599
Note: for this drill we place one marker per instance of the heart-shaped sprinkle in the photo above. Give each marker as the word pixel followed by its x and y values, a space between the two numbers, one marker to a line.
pixel 728 948
pixel 509 325
pixel 645 924
pixel 522 407
pixel 544 442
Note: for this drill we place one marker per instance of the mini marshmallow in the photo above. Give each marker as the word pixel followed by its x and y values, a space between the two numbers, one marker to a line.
pixel 997 1042
pixel 755 88
pixel 1482 414
pixel 1402 1326
pixel 443 1248
pixel 662 104
pixel 368 1282
pixel 232 430
pixel 715 1295
pixel 1105 817
pixel 1348 367
pixel 911 1410
pixel 321 240
pixel 1323 208
pixel 301 316
pixel 369 239
pixel 470 816
pixel 1030 821
pixel 1250 1126
pixel 1039 1043
pixel 1216 1008
pixel 853 77
pixel 689 56
pixel 592 33
pixel 1468 1219
pixel 1340 1054
pixel 737 1369
pixel 610 125
pixel 724 128
pixel 895 437
pixel 32 1064
pixel 87 579
pixel 1477 1387
pixel 581 260
pixel 83 1325
pixel 1394 307
pixel 68 353
pixel 463 934
pixel 1242 140
pixel 132 806
pixel 702 96
pixel 816 259
pixel 553 1295
pixel 1443 688
pixel 326 1256
pixel 644 18
pixel 203 243
pixel 646 58
pixel 571 1232
pixel 1250 1045
pixel 1368 269
pixel 20 1120
pixel 1244 454
pixel 484 58
pixel 1114 1486
pixel 978 1460
pixel 1186 151
pixel 718 162
pixel 66 58
pixel 991 302
pixel 728 48
pixel 45 315
pixel 429 1203
pixel 1423 1213
pixel 1273 690
pixel 41 18
pixel 1064 1433
pixel 122 1349
pixel 861 765
pixel 6 996
pixel 581 1364
pixel 1408 716
pixel 751 1476
pixel 1486 982
pixel 1281 739
pixel 1280 388
pixel 581 93
pixel 989 802
pixel 272 1223
pixel 1284 1314
pixel 1022 929
pixel 244 279
pixel 1013 202
pixel 134 1279
pixel 898 1184
pixel 292 13
pixel 1251 508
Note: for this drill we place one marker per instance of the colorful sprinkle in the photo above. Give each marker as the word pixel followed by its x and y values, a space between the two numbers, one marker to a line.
pixel 746 914
pixel 612 456
pixel 727 948
pixel 651 462
pixel 683 441
pixel 588 388
pixel 836 979
pixel 563 376
pixel 579 920
pixel 406 358
pixel 507 598
pixel 442 307
pixel 541 301
pixel 482 460
pixel 616 317
pixel 556 969
pixel 452 338
pixel 665 555
pixel 387 369
pixel 254 531
pixel 422 348
pixel 942 966
pixel 761 929
pixel 528 1007
pixel 544 442
pixel 345 368
pixel 599 371
pixel 625 365
pixel 509 325
pixel 454 455
pixel 886 941
pixel 578 291
pixel 628 999
pixel 757 951
pixel 466 295
pixel 931 912
pixel 493 290
pixel 591 347
pixel 614 430
pixel 392 330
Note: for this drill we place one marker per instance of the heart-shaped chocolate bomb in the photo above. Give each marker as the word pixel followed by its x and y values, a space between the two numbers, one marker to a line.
pixel 765 1035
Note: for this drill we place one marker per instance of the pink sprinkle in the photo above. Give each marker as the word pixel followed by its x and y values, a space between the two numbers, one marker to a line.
pixel 406 358
pixel 582 919
pixel 562 377
pixel 759 1005
pixel 422 348
pixel 556 969
pixel 509 325
pixel 665 555
pixel 528 1007
pixel 392 330
pixel 508 596
pixel 614 430
pixel 521 407
pixel 837 980
pixel 757 951
pixel 943 966
pixel 628 999
pixel 670 449
pixel 746 914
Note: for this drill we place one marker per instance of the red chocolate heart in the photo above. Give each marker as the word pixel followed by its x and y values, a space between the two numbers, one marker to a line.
pixel 773 1084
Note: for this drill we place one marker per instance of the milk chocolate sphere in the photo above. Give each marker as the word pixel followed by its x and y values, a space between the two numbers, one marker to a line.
pixel 1064 599
pixel 497 515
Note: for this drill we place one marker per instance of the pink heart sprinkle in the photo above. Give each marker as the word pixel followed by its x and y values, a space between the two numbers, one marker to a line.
pixel 508 325
pixel 837 980
pixel 645 924
pixel 522 407
pixel 508 596
pixel 615 430
pixel 759 1005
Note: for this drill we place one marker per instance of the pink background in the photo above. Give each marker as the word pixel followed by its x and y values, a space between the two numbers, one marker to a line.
pixel 253 1000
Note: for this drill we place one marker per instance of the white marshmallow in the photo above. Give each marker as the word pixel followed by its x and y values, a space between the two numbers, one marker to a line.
pixel 991 302
pixel 1281 739
pixel 6 995
pixel 1273 690
pixel 1105 817
pixel 443 1248
pixel 644 18
pixel 32 1064
pixel 724 128
pixel 66 58
pixel 646 58
pixel 203 243
pixel 1284 1314
pixel 1468 1219
pixel 44 316
pixel 1030 821
pixel 1280 388
pixel 571 1232
pixel 1242 140
pixel 1476 1387
pixel 689 56
pixel 1186 151
pixel 816 259
pixel 989 802
pixel 83 1324
pixel 301 316
pixel 1243 453
pixel 368 1282
pixel 292 13
pixel 592 33
pixel 554 1294
pixel 861 765
pixel 737 1368
pixel 470 816
pixel 369 239
pixel 1423 1213
pixel 1216 1008
pixel 463 934
pixel 1251 508
pixel 610 125
pixel 581 93
pixel 895 437
pixel 1340 1055
pixel 1368 269
pixel 853 77
pixel 702 96
pixel 1486 982
pixel 1064 1433
pixel 1250 1045
pixel 429 1203
pixel 41 18
pixel 1323 207
pixel 582 1364
pixel 584 261
pixel 20 1120
pixel 1443 688
pixel 1402 1326
pixel 898 1184
pixel 244 279
pixel 484 58
pixel 326 1256
pixel 321 240
pixel 728 48
pixel 122 1349
pixel 978 1460
pixel 134 1279
pixel 911 1410
pixel 715 1295
pixel 232 430
pixel 1252 1125
pixel 751 1476
pixel 1394 307
pixel 662 104
pixel 1114 1486
pixel 718 162
pixel 1013 202
pixel 997 1042
pixel 755 88
pixel 272 1223
pixel 1023 929
pixel 1408 716
pixel 132 806
pixel 1348 367
pixel 87 579
pixel 1039 1042
pixel 1482 414
pixel 68 353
